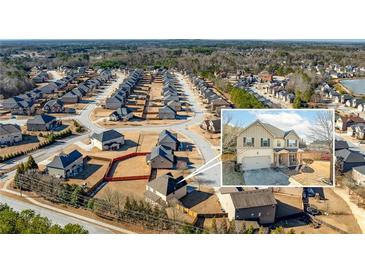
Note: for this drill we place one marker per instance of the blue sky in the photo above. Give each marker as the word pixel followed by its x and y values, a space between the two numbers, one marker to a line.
pixel 299 120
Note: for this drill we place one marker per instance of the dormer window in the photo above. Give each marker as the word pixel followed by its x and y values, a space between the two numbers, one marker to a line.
pixel 248 142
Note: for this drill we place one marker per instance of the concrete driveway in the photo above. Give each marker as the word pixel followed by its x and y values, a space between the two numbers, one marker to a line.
pixel 265 177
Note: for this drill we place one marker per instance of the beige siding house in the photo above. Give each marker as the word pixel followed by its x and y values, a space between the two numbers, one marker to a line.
pixel 262 145
pixel 358 175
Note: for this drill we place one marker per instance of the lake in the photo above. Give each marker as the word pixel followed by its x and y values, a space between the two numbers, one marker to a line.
pixel 355 85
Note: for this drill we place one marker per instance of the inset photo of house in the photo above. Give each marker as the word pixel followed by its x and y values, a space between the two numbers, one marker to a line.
pixel 280 147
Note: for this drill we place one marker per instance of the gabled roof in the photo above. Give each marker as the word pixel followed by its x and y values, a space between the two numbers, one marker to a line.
pixel 161 151
pixel 167 136
pixel 350 156
pixel 253 198
pixel 41 119
pixel 6 129
pixel 107 135
pixel 166 109
pixel 167 184
pixel 54 103
pixel 63 160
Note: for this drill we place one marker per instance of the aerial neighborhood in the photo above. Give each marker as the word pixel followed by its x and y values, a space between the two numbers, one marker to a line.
pixel 135 135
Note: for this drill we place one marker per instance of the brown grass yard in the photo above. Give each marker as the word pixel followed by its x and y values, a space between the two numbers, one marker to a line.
pixel 132 189
pixel 317 170
pixel 130 167
pixel 28 143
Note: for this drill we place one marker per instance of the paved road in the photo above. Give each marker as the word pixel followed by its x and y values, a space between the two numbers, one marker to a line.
pixel 211 176
pixel 56 218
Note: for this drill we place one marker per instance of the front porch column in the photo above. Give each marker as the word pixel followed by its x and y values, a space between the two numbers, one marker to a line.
pixel 288 159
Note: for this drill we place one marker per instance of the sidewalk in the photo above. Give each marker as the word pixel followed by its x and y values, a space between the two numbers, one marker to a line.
pixel 358 213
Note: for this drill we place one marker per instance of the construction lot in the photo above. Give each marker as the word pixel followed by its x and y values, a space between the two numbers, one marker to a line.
pixel 97 166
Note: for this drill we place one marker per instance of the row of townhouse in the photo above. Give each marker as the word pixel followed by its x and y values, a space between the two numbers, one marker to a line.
pixel 119 98
pixel 215 102
pixel 25 104
pixel 88 86
pixel 344 99
pixel 171 99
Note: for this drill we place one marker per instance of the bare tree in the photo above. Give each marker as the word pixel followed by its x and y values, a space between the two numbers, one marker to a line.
pixel 322 130
pixel 230 132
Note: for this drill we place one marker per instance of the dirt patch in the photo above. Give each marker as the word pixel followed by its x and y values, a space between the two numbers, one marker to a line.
pixel 130 167
pixel 313 173
pixel 213 138
pixel 132 189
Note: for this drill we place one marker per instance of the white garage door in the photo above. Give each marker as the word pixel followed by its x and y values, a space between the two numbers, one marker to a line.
pixel 256 162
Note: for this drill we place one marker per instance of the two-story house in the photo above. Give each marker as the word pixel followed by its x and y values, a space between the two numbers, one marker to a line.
pixel 261 145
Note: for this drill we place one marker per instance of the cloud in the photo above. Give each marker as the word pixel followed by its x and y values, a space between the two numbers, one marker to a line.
pixel 287 121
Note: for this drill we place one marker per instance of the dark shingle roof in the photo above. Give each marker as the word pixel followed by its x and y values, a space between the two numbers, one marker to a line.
pixel 253 198
pixel 340 144
pixel 167 184
pixel 167 136
pixel 41 119
pixel 107 135
pixel 350 156
pixel 163 152
pixel 63 160
pixel 8 129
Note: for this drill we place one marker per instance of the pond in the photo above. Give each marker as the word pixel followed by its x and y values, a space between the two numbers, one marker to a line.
pixel 355 85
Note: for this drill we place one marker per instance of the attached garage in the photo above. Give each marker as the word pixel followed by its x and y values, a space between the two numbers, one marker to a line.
pixel 249 163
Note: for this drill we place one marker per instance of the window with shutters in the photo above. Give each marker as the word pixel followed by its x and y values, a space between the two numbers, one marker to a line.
pixel 265 142
pixel 248 142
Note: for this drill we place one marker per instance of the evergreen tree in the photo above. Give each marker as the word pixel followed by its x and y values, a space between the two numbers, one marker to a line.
pixel 31 164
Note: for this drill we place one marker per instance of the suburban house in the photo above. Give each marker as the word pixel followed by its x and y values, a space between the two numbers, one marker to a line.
pixel 265 76
pixel 19 105
pixel 161 157
pixel 212 126
pixel 343 122
pixel 114 102
pixel 10 134
pixel 54 106
pixel 261 145
pixel 70 98
pixel 175 105
pixel 66 165
pixel 42 122
pixel 218 103
pixel 164 189
pixel 347 159
pixel 357 130
pixel 121 114
pixel 166 112
pixel 108 140
pixel 249 205
pixel 168 140
pixel 358 175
